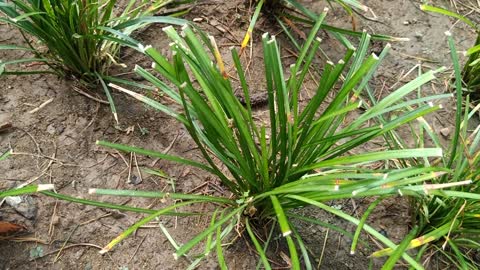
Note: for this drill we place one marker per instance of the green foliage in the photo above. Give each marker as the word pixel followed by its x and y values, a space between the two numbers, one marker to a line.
pixel 79 38
pixel 452 217
pixel 289 14
pixel 301 158
pixel 25 190
pixel 448 220
pixel 471 69
pixel 75 38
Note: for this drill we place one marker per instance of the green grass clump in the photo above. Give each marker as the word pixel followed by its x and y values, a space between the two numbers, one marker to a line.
pixel 75 38
pixel 448 221
pixel 301 158
pixel 471 69
pixel 452 217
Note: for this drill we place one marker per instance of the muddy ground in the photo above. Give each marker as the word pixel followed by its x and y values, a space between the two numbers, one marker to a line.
pixel 56 144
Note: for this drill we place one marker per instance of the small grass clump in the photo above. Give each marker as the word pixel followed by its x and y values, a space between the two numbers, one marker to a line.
pixel 79 39
pixel 471 69
pixel 449 220
pixel 301 158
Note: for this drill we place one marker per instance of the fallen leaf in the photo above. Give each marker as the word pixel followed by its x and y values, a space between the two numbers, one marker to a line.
pixel 10 228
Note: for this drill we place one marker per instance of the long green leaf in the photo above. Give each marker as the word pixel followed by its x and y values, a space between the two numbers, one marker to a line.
pixel 257 245
pixel 448 13
pixel 140 223
pixel 154 194
pixel 375 156
pixel 397 254
pixel 26 190
pixel 151 153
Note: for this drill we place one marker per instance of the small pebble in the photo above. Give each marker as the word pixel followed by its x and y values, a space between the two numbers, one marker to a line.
pixel 24 205
pixel 55 220
pixel 88 266
pixel 51 129
pixel 445 132
pixel 117 214
pixel 134 180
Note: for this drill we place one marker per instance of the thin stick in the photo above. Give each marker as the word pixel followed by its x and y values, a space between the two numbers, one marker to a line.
pixel 453 222
pixel 67 247
pixel 34 141
pixel 63 163
pixel 24 239
pixel 121 156
pixel 78 90
pixel 95 219
pixel 41 106
pixel 65 243
pixel 130 168
pixel 169 147
pixel 323 249
pixel 136 250
pixel 138 168
pixel 50 228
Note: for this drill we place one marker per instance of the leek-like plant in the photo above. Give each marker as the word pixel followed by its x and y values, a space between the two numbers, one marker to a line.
pixel 301 158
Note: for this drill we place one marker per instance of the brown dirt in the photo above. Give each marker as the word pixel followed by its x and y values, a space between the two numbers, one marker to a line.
pixel 58 143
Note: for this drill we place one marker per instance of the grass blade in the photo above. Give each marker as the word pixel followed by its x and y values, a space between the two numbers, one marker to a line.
pixel 397 254
pixel 26 190
pixel 448 13
pixel 154 194
pixel 218 244
pixel 253 21
pixel 258 247
pixel 190 244
pixel 140 223
pixel 370 208
pixel 151 153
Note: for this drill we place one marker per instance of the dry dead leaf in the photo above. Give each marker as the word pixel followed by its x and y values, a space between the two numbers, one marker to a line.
pixel 10 228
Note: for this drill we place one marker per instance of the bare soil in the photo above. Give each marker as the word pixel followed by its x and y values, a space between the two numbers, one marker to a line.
pixel 56 144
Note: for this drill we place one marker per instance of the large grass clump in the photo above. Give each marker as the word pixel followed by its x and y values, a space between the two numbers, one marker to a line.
pixel 301 158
